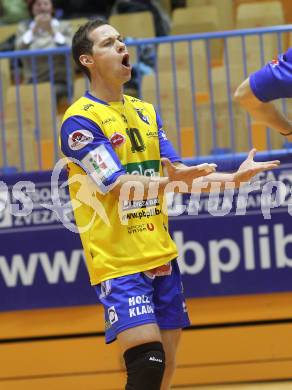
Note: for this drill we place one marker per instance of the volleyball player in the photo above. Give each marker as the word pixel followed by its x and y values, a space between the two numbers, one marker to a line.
pixel 132 260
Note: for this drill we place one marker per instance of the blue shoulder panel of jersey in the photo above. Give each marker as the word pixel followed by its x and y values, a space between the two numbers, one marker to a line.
pixel 166 148
pixel 83 140
pixel 274 80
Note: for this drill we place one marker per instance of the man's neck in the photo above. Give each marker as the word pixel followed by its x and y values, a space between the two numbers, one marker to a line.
pixel 106 93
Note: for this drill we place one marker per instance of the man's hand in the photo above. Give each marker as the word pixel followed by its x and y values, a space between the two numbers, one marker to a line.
pixel 249 168
pixel 186 174
pixel 43 22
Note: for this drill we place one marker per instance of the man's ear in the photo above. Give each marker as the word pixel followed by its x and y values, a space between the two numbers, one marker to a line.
pixel 86 59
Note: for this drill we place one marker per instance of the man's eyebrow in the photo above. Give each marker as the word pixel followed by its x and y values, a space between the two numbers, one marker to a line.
pixel 111 37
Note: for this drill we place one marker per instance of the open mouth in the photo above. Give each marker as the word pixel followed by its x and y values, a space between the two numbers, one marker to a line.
pixel 126 60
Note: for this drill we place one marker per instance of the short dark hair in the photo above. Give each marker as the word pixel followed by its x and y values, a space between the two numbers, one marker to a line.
pixel 82 44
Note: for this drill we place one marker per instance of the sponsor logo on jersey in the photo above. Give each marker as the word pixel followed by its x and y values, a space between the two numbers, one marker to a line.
pixel 151 212
pixel 124 118
pixel 150 227
pixel 152 134
pixel 144 118
pixel 112 315
pixel 135 100
pixel 95 166
pixel 146 168
pixel 275 62
pixel 79 139
pixel 137 228
pixel 86 107
pixel 140 204
pixel 117 139
pixel 108 120
pixel 100 163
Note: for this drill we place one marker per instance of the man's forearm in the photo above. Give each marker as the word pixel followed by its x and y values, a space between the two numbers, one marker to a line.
pixel 268 114
pixel 216 182
pixel 130 187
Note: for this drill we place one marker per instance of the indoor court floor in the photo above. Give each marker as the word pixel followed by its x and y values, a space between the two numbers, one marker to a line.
pixel 248 386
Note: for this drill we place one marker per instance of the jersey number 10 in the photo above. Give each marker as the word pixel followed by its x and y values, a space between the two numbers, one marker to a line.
pixel 136 139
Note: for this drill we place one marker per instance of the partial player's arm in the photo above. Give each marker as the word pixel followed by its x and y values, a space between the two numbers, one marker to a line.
pixel 272 82
pixel 219 181
pixel 265 112
pixel 161 185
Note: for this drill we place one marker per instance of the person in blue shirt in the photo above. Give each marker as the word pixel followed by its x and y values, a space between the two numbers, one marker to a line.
pixel 256 93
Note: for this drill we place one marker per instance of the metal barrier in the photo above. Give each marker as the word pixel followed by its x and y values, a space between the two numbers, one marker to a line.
pixel 191 83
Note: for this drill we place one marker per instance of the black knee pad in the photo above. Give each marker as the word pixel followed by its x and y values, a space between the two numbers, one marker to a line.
pixel 145 365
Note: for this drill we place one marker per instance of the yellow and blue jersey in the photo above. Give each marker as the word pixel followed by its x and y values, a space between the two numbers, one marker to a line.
pixel 103 141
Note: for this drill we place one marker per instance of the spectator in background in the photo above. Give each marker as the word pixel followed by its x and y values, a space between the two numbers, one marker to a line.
pixel 43 31
pixel 84 8
pixel 161 19
pixel 12 11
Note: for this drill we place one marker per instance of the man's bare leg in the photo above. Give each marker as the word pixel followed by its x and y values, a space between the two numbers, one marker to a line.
pixel 138 335
pixel 170 341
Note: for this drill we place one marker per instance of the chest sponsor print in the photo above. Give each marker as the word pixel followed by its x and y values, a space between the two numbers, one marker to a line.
pixel 146 168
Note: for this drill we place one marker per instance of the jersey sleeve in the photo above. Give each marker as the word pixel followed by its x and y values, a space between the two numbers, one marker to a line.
pixel 83 142
pixel 274 80
pixel 166 148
